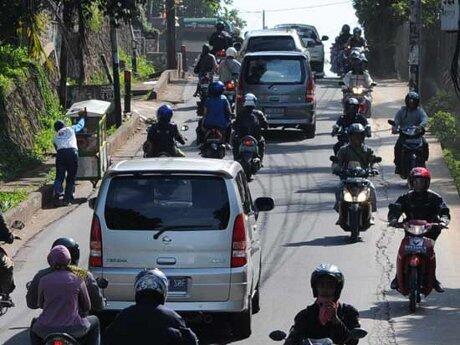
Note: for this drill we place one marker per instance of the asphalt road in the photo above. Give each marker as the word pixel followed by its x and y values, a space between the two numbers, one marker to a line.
pixel 299 234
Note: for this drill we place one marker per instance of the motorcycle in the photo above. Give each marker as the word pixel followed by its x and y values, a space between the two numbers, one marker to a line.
pixel 412 149
pixel 416 261
pixel 355 206
pixel 60 339
pixel 230 93
pixel 364 97
pixel 248 156
pixel 203 87
pixel 214 144
pixel 355 334
pixel 147 147
pixel 342 136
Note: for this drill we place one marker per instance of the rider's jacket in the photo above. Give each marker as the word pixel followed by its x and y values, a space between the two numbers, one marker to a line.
pixel 342 40
pixel 250 123
pixel 406 117
pixel 363 154
pixel 229 69
pixel 345 121
pixel 352 79
pixel 355 42
pixel 218 112
pixel 163 136
pixel 5 234
pixel 220 41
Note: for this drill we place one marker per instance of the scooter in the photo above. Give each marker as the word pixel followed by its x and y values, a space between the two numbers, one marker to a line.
pixel 248 155
pixel 230 93
pixel 342 136
pixel 416 260
pixel 364 97
pixel 412 149
pixel 355 334
pixel 355 206
pixel 203 88
pixel 214 145
pixel 147 147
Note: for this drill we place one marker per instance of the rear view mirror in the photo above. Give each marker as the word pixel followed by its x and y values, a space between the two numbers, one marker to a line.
pixel 325 38
pixel 391 122
pixel 237 46
pixel 277 335
pixel 265 204
pixel 102 283
pixel 357 333
pixel 92 203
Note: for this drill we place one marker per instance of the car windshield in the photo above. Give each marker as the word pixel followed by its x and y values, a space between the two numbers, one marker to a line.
pixel 271 43
pixel 167 202
pixel 275 70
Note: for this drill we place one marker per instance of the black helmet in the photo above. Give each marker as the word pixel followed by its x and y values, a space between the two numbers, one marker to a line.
pixel 412 98
pixel 327 270
pixel 71 245
pixel 351 107
pixel 58 125
pixel 220 25
pixel 357 31
pixel 346 29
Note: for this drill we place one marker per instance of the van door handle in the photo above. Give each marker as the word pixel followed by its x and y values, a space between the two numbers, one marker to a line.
pixel 166 261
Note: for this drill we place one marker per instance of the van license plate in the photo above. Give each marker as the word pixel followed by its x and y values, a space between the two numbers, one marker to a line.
pixel 274 111
pixel 178 284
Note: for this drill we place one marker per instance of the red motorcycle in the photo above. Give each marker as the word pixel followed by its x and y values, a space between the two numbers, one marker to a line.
pixel 416 261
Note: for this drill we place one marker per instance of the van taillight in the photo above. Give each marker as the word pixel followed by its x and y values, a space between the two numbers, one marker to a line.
pixel 239 243
pixel 310 95
pixel 95 245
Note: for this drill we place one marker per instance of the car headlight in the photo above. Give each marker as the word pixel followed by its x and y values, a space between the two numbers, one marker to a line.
pixel 347 196
pixel 362 196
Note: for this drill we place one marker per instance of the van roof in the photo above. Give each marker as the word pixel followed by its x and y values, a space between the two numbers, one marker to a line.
pixel 272 32
pixel 275 53
pixel 227 168
pixel 292 26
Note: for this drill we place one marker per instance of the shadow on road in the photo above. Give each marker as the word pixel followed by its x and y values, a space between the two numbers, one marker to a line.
pixel 287 135
pixel 21 338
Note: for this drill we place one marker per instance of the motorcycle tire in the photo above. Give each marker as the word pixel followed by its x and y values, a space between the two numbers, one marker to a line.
pixel 354 225
pixel 414 293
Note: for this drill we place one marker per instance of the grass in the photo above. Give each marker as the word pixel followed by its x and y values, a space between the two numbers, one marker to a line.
pixel 12 199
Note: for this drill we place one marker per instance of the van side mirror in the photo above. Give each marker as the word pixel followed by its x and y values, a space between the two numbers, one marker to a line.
pixel 325 38
pixel 237 46
pixel 92 203
pixel 391 122
pixel 264 204
pixel 102 283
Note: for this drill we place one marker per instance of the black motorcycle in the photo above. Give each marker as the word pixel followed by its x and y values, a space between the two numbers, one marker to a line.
pixel 342 136
pixel 412 155
pixel 248 155
pixel 355 206
pixel 355 334
pixel 213 145
pixel 203 88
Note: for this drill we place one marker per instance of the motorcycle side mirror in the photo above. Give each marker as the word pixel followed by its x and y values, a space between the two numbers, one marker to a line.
pixel 237 46
pixel 92 203
pixel 374 84
pixel 184 128
pixel 357 333
pixel 325 38
pixel 102 283
pixel 333 159
pixel 391 122
pixel 277 335
pixel 341 83
pixel 265 204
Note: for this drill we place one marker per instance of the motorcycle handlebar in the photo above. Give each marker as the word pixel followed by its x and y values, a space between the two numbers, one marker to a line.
pixel 402 225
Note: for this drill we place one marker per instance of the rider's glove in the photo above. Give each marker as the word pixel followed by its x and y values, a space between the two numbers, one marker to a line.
pixel 393 222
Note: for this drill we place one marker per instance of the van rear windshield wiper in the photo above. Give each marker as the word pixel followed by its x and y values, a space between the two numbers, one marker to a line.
pixel 271 85
pixel 173 227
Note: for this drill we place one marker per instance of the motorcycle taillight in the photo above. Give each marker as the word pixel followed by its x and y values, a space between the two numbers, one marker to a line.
pixel 221 53
pixel 248 142
pixel 230 86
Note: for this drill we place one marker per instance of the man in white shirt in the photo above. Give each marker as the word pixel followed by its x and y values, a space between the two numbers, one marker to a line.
pixel 65 143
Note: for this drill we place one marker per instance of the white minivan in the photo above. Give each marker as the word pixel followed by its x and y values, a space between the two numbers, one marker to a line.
pixel 192 218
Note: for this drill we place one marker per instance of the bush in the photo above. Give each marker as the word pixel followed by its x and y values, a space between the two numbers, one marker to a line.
pixel 11 199
pixel 443 101
pixel 453 163
pixel 444 125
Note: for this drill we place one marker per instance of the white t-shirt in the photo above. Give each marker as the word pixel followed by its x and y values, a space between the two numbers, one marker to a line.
pixel 65 139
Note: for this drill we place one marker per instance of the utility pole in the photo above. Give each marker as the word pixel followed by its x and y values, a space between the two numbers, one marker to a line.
pixel 415 28
pixel 116 71
pixel 263 20
pixel 171 34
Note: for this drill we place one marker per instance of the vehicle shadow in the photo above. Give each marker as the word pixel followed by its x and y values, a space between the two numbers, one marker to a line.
pixel 327 241
pixel 287 135
pixel 21 338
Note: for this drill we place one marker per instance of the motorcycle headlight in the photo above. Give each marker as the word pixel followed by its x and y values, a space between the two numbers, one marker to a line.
pixel 362 196
pixel 357 90
pixel 347 196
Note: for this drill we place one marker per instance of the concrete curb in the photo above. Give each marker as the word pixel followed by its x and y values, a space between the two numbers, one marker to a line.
pixel 162 83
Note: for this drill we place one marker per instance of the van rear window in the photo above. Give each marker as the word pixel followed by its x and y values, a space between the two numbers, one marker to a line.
pixel 275 70
pixel 271 43
pixel 167 202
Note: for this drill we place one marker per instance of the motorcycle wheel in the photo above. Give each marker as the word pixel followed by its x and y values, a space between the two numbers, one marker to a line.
pixel 246 168
pixel 354 225
pixel 414 293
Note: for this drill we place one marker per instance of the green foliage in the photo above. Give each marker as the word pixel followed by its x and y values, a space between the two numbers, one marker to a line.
pixel 95 19
pixel 112 129
pixel 233 16
pixel 145 68
pixel 444 125
pixel 442 101
pixel 452 159
pixel 98 78
pixel 13 64
pixel 12 199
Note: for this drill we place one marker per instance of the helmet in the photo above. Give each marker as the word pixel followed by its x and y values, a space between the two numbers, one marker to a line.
pixel 356 128
pixel 220 26
pixel 346 29
pixel 59 256
pixel 351 107
pixel 419 179
pixel 216 88
pixel 206 49
pixel 355 55
pixel 58 125
pixel 327 270
pixel 164 113
pixel 231 52
pixel 357 31
pixel 71 245
pixel 412 98
pixel 153 281
pixel 250 100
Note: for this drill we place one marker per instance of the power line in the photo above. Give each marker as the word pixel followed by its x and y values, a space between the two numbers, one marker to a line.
pixel 297 8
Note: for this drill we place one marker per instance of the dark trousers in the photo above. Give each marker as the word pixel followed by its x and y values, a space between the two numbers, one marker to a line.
pixel 6 274
pixel 398 151
pixel 92 337
pixel 66 169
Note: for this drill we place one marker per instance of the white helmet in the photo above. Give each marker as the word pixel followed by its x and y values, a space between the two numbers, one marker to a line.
pixel 231 52
pixel 250 100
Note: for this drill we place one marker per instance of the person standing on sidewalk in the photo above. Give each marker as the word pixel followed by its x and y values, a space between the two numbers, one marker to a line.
pixel 65 143
pixel 6 265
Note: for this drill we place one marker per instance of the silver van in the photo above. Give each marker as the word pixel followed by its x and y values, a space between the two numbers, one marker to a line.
pixel 284 86
pixel 192 218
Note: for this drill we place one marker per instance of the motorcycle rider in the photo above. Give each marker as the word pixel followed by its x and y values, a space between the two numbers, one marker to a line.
pixel 342 40
pixel 217 111
pixel 355 151
pixel 420 203
pixel 250 122
pixel 64 299
pixel 94 292
pixel 162 136
pixel 327 317
pixel 350 116
pixel 6 264
pixel 229 68
pixel 357 40
pixel 409 115
pixel 358 76
pixel 220 39
pixel 207 63
pixel 149 318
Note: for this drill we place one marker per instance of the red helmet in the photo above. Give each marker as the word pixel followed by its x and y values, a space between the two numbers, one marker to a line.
pixel 420 179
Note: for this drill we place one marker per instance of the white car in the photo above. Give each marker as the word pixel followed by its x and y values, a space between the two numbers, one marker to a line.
pixel 192 218
pixel 311 39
